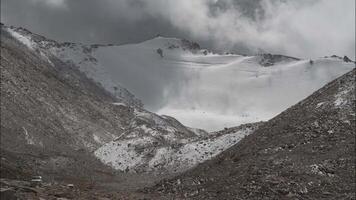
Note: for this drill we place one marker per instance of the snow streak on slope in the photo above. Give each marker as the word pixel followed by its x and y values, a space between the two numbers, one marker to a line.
pixel 199 88
pixel 24 40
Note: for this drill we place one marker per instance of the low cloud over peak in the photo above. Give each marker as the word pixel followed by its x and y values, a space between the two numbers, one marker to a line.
pixel 297 28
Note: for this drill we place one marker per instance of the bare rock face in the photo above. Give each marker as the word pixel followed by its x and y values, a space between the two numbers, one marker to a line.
pixel 192 46
pixel 347 59
pixel 306 152
pixel 268 59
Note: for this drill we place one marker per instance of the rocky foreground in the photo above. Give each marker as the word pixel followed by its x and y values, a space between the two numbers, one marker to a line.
pixel 306 152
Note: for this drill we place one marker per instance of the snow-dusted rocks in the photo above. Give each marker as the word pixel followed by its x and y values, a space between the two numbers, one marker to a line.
pixel 145 150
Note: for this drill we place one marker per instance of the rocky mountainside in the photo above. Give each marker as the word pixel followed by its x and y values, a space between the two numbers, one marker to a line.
pixel 52 116
pixel 47 47
pixel 146 149
pixel 58 123
pixel 306 152
pixel 200 88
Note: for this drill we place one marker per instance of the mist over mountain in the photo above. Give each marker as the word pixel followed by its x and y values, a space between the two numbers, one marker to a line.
pixel 200 88
pixel 296 28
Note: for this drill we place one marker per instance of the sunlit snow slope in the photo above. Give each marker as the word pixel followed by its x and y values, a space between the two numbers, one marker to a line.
pixel 199 88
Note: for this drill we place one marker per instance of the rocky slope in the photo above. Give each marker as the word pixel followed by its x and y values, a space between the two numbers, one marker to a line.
pixel 52 116
pixel 58 123
pixel 48 47
pixel 306 152
pixel 147 149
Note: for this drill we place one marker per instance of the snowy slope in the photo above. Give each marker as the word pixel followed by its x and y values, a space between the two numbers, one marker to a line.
pixel 199 88
pixel 146 153
pixel 79 56
pixel 202 89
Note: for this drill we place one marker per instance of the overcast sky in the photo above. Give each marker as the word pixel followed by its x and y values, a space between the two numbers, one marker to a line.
pixel 301 28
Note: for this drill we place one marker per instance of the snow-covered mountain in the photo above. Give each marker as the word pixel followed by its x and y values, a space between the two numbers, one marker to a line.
pixel 54 108
pixel 201 89
pixel 60 122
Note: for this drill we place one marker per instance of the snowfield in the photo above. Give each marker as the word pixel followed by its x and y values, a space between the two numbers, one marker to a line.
pixel 202 89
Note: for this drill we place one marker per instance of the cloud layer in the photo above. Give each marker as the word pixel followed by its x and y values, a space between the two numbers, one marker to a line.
pixel 297 28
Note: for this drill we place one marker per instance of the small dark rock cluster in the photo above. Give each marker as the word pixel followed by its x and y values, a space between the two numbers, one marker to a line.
pixel 268 59
pixel 186 44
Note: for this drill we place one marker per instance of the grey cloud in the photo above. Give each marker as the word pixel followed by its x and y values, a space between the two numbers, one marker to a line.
pixel 86 21
pixel 298 28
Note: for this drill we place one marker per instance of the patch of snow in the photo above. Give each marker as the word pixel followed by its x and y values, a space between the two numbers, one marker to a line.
pixel 28 137
pixel 340 97
pixel 143 154
pixel 319 104
pixel 122 155
pixel 23 39
pixel 317 169
pixel 45 57
pixel 27 41
pixel 340 101
pixel 97 139
pixel 119 104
